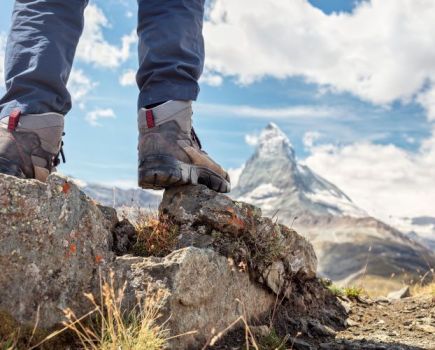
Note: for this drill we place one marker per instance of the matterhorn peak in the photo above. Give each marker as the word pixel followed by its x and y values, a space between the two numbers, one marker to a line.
pixel 272 140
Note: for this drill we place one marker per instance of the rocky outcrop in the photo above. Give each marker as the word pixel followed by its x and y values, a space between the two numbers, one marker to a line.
pixel 273 253
pixel 227 261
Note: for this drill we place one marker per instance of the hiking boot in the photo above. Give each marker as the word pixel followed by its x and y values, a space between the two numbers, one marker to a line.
pixel 170 153
pixel 30 144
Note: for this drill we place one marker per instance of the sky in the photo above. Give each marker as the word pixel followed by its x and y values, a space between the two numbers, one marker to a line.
pixel 352 84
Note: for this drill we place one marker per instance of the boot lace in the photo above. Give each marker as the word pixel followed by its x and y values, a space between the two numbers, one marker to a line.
pixel 56 160
pixel 196 138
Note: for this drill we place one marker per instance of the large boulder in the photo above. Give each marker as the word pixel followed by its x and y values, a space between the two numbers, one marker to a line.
pixel 54 240
pixel 202 291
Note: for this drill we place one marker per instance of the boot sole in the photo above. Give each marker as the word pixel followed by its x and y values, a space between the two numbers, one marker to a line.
pixel 160 172
pixel 9 168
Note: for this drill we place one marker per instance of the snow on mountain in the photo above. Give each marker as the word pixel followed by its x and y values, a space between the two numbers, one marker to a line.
pixel 350 244
pixel 272 178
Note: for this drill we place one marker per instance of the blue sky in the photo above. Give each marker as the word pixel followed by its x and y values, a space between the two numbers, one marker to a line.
pixel 309 97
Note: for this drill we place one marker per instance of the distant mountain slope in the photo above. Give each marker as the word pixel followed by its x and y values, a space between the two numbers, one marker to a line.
pixel 348 242
pixel 421 229
pixel 118 197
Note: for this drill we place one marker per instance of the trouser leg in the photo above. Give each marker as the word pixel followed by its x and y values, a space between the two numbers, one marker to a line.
pixel 39 55
pixel 171 50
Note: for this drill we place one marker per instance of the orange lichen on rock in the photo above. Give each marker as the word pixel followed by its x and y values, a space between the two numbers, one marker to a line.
pixel 235 220
pixel 73 248
pixel 66 187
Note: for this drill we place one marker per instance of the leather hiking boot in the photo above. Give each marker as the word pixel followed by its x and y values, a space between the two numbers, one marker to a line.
pixel 170 153
pixel 30 144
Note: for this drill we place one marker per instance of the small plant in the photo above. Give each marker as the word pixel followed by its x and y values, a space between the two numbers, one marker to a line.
pixel 350 292
pixel 353 292
pixel 155 236
pixel 336 290
pixel 272 342
pixel 9 343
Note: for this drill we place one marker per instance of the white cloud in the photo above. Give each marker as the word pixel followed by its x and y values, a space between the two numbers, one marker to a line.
pixel 2 59
pixel 268 113
pixel 234 174
pixel 93 47
pixel 427 100
pixel 211 79
pixel 97 114
pixel 128 78
pixel 252 139
pixel 381 52
pixel 383 179
pixel 310 138
pixel 79 85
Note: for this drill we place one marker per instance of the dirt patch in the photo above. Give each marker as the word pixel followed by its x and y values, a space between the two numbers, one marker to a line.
pixel 409 322
pixel 320 322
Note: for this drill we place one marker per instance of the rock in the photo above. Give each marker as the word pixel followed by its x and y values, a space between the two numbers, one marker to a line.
pixel 124 237
pixel 400 294
pixel 123 232
pixel 274 253
pixel 426 328
pixel 56 243
pixel 260 331
pixel 203 291
pixel 53 241
pixel 382 300
pixel 318 329
pixel 299 344
pixel 351 323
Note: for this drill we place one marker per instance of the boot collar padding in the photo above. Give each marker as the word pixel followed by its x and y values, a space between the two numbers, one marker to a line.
pixel 180 111
pixel 48 127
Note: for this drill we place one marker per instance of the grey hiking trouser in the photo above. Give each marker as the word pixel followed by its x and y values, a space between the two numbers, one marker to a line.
pixel 43 40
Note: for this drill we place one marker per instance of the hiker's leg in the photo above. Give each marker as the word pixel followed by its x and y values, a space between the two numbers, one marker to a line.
pixel 171 58
pixel 39 54
pixel 171 50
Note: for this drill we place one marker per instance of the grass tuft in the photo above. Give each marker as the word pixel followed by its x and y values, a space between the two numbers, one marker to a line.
pixel 113 329
pixel 11 343
pixel 155 236
pixel 272 341
pixel 107 327
pixel 350 292
pixel 419 290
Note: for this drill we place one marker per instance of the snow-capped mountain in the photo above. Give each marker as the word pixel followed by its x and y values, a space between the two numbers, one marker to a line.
pixel 273 179
pixel 349 243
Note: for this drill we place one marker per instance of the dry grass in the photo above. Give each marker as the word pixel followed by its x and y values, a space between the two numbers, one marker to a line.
pixel 156 236
pixel 419 290
pixel 115 330
pixel 107 327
